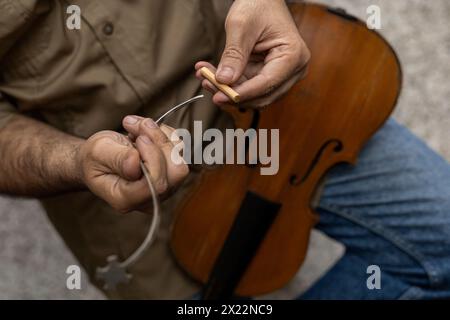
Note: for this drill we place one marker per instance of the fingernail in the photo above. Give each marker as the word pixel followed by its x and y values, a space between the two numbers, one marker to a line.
pixel 151 124
pixel 145 139
pixel 131 120
pixel 226 73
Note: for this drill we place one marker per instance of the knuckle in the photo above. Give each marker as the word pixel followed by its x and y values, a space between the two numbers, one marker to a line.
pixel 97 148
pixel 233 52
pixel 117 162
pixel 236 21
pixel 100 134
pixel 117 201
pixel 299 55
pixel 121 206
pixel 306 55
pixel 159 178
pixel 295 60
pixel 123 140
pixel 168 131
pixel 183 171
pixel 156 135
pixel 167 144
pixel 99 143
pixel 142 127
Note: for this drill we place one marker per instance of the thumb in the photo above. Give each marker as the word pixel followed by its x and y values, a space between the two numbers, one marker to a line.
pixel 131 168
pixel 125 163
pixel 235 57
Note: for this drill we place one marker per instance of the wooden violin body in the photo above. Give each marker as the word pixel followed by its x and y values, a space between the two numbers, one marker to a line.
pixel 352 86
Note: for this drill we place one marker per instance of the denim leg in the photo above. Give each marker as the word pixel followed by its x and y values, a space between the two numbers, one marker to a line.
pixel 392 210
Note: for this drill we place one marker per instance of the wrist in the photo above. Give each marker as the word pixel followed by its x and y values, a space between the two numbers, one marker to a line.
pixel 79 172
pixel 74 164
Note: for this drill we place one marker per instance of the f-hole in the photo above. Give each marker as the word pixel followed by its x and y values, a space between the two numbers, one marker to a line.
pixel 338 146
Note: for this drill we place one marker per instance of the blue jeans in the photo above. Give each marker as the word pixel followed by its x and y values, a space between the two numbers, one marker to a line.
pixel 392 210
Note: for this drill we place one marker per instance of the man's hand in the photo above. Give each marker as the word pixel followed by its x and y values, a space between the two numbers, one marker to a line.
pixel 110 164
pixel 264 54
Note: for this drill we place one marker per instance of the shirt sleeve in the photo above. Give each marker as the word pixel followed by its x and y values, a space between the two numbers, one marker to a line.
pixel 15 18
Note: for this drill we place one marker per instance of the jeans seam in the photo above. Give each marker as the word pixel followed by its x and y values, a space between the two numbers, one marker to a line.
pixel 431 271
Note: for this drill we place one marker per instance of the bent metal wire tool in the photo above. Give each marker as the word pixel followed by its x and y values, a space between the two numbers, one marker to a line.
pixel 115 271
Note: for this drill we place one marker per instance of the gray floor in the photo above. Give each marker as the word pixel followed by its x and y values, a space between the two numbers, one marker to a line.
pixel 33 259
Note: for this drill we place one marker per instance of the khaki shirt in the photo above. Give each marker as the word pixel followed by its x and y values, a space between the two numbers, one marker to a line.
pixel 130 57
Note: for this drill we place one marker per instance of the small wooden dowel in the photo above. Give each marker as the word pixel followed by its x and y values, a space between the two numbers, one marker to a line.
pixel 208 74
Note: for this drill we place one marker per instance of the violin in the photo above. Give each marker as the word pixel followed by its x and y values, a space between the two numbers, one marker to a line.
pixel 242 233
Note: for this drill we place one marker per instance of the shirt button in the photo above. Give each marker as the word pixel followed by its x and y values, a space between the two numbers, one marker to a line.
pixel 108 28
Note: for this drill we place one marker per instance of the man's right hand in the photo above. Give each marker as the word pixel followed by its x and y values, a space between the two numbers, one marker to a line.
pixel 109 165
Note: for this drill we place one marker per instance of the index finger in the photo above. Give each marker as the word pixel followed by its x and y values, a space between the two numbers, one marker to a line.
pixel 272 75
pixel 137 126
